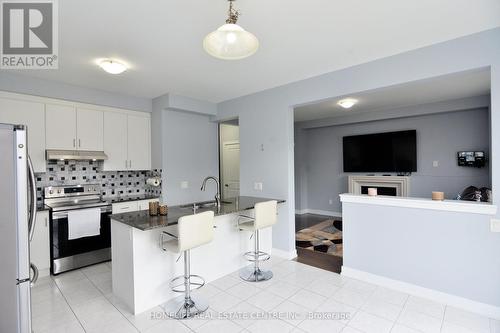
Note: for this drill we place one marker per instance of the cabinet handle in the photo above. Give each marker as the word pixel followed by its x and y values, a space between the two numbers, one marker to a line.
pixel 126 164
pixel 125 208
pixel 74 143
pixel 46 222
pixel 79 143
pixel 130 164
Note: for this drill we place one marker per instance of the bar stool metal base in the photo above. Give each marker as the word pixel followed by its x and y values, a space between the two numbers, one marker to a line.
pixel 180 308
pixel 251 274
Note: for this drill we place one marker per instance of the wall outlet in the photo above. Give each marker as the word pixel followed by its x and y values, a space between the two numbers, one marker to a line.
pixel 495 225
pixel 435 164
pixel 184 184
pixel 257 186
pixel 330 202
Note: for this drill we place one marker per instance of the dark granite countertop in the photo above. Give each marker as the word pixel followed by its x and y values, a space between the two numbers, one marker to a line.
pixel 127 198
pixel 143 221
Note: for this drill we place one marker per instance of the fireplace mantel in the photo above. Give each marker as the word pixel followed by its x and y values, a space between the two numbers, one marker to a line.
pixel 400 183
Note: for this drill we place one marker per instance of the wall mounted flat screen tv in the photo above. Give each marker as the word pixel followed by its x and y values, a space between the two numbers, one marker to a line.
pixel 381 152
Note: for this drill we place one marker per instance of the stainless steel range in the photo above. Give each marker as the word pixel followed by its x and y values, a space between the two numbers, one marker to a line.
pixel 67 252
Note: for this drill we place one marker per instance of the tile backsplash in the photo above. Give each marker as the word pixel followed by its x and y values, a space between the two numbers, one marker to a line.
pixel 114 184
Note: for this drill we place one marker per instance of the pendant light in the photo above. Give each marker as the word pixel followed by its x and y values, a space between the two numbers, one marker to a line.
pixel 230 41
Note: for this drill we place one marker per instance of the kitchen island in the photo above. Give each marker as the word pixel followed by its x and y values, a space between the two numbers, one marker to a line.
pixel 142 270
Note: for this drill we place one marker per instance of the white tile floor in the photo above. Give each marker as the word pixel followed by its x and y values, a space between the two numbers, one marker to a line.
pixel 82 301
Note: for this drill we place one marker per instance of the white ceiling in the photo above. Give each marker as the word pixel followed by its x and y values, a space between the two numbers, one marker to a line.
pixel 162 40
pixel 443 88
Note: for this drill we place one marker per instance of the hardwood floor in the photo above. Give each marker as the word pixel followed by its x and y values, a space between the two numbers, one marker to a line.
pixel 315 258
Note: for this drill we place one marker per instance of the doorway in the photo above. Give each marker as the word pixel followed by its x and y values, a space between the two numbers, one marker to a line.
pixel 229 158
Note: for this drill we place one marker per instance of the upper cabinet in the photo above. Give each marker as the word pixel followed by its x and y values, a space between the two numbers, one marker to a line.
pixel 127 141
pixel 139 142
pixel 60 126
pixel 31 114
pixel 73 128
pixel 115 141
pixel 89 129
pixel 123 135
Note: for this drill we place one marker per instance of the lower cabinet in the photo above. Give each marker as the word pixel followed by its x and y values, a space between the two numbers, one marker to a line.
pixel 40 244
pixel 131 206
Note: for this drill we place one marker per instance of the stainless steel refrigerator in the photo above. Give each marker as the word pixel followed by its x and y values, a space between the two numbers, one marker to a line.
pixel 17 219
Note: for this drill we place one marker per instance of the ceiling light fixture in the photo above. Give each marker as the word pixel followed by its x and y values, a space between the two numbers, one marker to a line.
pixel 112 66
pixel 347 103
pixel 230 41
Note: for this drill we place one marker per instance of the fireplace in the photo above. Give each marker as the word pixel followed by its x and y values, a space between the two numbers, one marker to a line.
pixel 381 190
pixel 386 185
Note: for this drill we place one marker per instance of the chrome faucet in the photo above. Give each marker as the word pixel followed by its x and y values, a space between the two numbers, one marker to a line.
pixel 217 195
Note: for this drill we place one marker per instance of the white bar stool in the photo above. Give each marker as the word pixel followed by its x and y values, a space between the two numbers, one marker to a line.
pixel 265 216
pixel 193 231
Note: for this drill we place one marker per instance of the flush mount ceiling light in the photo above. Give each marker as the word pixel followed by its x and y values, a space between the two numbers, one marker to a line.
pixel 112 66
pixel 347 103
pixel 230 41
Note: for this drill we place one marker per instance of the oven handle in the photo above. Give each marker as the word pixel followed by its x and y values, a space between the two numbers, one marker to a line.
pixel 64 214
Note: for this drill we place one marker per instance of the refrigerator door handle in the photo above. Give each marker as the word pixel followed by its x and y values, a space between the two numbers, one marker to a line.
pixel 33 208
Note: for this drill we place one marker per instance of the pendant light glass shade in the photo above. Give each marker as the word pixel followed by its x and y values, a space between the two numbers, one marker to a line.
pixel 230 42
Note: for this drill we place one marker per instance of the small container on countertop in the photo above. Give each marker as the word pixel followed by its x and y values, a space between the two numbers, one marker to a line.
pixel 438 196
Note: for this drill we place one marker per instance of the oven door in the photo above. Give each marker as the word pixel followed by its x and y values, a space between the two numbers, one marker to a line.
pixel 71 254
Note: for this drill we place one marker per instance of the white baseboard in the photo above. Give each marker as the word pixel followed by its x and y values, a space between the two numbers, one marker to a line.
pixel 317 212
pixel 284 254
pixel 483 309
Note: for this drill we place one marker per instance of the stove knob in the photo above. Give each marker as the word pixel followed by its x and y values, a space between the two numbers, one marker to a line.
pixel 58 191
pixel 51 192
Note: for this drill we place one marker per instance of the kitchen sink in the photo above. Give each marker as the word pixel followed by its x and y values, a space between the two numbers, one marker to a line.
pixel 202 204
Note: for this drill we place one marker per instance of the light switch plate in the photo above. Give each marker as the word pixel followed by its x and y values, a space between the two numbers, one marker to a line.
pixel 435 164
pixel 495 225
pixel 257 186
pixel 184 184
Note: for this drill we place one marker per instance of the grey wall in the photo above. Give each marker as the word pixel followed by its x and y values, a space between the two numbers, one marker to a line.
pixel 439 137
pixel 267 117
pixel 451 252
pixel 32 86
pixel 189 154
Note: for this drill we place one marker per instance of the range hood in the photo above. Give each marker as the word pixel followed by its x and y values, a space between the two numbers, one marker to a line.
pixel 79 155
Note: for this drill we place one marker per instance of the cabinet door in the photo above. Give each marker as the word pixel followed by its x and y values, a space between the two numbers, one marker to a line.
pixel 124 207
pixel 115 141
pixel 144 204
pixel 139 143
pixel 89 129
pixel 31 114
pixel 60 126
pixel 40 245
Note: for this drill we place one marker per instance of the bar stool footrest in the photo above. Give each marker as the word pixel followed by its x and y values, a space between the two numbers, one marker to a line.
pixel 177 283
pixel 256 256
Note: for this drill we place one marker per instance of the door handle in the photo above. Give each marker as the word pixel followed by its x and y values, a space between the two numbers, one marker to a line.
pixel 32 208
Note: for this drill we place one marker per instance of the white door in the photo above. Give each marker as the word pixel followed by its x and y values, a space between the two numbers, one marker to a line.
pixel 60 126
pixel 89 129
pixel 231 169
pixel 115 141
pixel 40 244
pixel 31 114
pixel 139 143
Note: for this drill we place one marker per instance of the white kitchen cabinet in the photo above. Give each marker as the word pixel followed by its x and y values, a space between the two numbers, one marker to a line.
pixel 131 206
pixel 89 129
pixel 144 204
pixel 115 141
pixel 127 141
pixel 60 126
pixel 40 244
pixel 124 207
pixel 32 114
pixel 139 143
